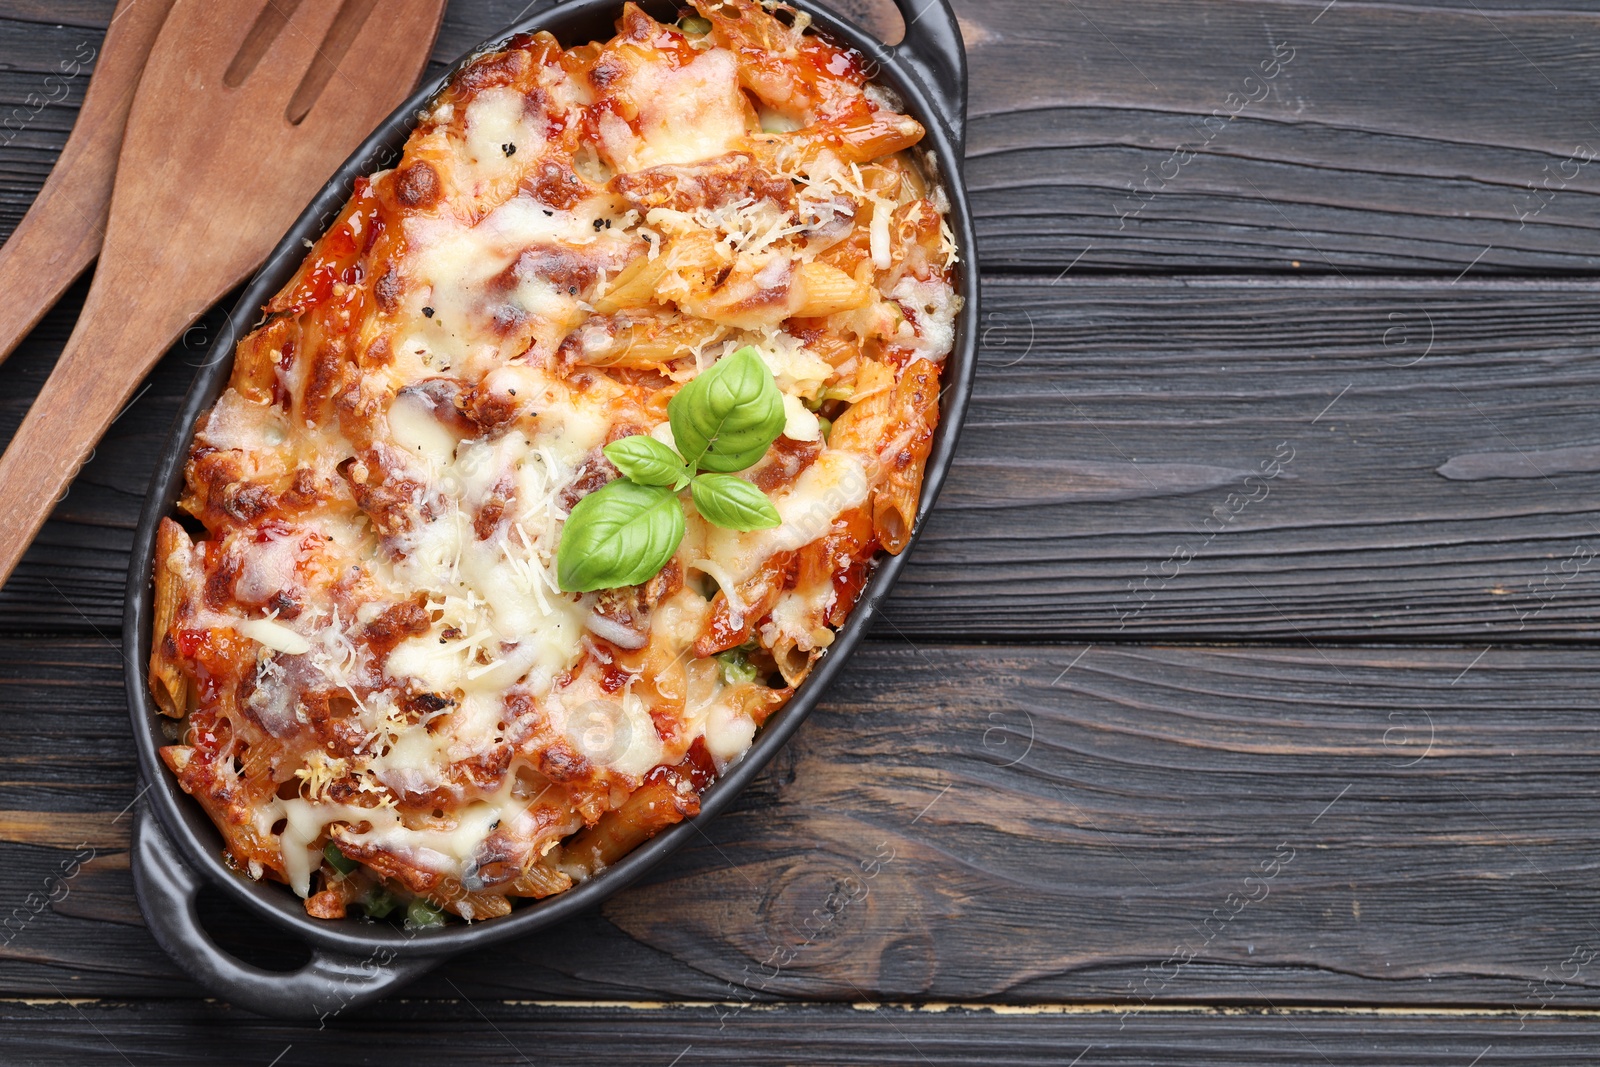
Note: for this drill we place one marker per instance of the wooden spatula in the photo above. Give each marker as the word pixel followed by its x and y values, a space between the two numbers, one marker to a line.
pixel 60 235
pixel 244 109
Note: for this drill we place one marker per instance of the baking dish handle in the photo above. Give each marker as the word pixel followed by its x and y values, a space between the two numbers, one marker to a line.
pixel 324 987
pixel 932 47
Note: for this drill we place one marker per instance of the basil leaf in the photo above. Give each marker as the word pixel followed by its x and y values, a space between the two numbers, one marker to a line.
pixel 733 503
pixel 726 418
pixel 647 461
pixel 620 534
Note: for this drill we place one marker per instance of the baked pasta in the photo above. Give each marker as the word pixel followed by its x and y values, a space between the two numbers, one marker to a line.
pixel 458 615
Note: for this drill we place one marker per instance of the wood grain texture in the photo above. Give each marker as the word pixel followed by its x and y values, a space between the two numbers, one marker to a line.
pixel 1108 483
pixel 1359 155
pixel 61 233
pixel 1434 444
pixel 48 1034
pixel 1023 825
pixel 69 830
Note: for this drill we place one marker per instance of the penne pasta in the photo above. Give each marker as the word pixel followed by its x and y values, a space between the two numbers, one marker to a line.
pixel 475 907
pixel 827 290
pixel 894 508
pixel 733 617
pixel 864 423
pixel 792 661
pixel 541 880
pixel 635 286
pixel 916 407
pixel 169 685
pixel 652 808
pixel 643 339
pixel 255 361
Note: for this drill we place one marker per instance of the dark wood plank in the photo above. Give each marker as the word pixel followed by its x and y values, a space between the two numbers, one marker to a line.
pixel 1145 825
pixel 1442 482
pixel 1434 446
pixel 50 1033
pixel 87 14
pixel 1363 152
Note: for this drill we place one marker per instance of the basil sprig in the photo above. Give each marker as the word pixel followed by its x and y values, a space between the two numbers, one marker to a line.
pixel 723 421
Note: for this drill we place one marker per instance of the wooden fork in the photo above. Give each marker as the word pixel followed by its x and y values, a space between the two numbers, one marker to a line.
pixel 60 235
pixel 244 109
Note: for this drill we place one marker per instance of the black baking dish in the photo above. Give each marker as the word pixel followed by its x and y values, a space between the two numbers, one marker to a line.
pixel 176 850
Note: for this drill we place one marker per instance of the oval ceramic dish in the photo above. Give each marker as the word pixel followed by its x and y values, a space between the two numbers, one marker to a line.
pixel 176 850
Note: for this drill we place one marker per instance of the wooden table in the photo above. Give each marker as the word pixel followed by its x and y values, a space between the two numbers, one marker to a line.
pixel 1238 704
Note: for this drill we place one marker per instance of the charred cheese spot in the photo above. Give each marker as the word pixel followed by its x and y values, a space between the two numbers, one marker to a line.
pixel 556 185
pixel 607 72
pixel 504 68
pixel 388 289
pixel 417 185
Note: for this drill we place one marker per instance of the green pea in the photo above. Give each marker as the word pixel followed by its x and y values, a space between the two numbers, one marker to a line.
pixel 379 903
pixel 421 915
pixel 735 667
pixel 338 860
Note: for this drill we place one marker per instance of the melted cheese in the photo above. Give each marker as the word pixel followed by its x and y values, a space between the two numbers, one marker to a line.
pixel 502 618
pixel 237 423
pixel 270 567
pixel 452 270
pixel 479 419
pixel 686 114
pixel 275 636
pixel 728 733
pixel 798 370
pixel 828 488
pixel 414 428
pixel 499 127
pixel 935 305
pixel 799 422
